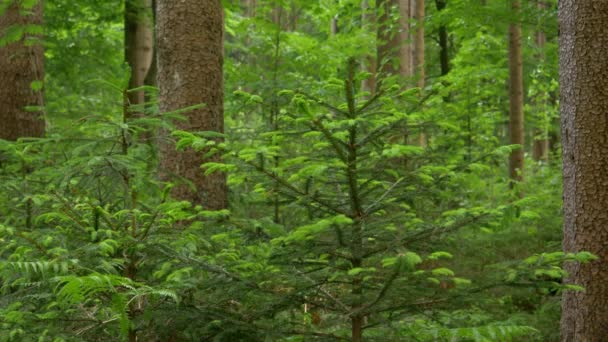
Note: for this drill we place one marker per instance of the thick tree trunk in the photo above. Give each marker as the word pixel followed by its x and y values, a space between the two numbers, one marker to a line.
pixel 394 48
pixel 584 111
pixel 139 44
pixel 190 59
pixel 516 96
pixel 20 65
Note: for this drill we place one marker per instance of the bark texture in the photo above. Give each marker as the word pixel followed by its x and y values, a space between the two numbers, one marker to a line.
pixel 250 8
pixel 190 59
pixel 444 57
pixel 540 148
pixel 419 44
pixel 139 46
pixel 368 21
pixel 419 57
pixel 516 96
pixel 394 48
pixel 584 114
pixel 21 63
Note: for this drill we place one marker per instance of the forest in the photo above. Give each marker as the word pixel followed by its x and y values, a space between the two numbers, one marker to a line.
pixel 303 170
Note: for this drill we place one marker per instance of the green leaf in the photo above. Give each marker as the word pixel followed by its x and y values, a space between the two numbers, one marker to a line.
pixel 442 271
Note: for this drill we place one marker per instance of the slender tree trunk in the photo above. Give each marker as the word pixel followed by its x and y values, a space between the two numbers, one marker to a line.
pixel 419 44
pixel 540 149
pixel 250 7
pixel 293 15
pixel 516 96
pixel 368 20
pixel 152 74
pixel 406 49
pixel 419 57
pixel 139 46
pixel 333 26
pixel 584 111
pixel 20 65
pixel 190 59
pixel 444 57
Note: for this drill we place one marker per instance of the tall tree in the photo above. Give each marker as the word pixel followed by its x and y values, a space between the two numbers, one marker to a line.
pixel 540 149
pixel 516 95
pixel 21 72
pixel 152 74
pixel 190 59
pixel 444 58
pixel 139 50
pixel 368 20
pixel 419 43
pixel 584 106
pixel 419 55
pixel 394 48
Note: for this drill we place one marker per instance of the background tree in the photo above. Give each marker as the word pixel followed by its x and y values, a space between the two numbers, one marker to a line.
pixel 540 147
pixel 394 43
pixel 369 63
pixel 584 80
pixel 190 60
pixel 139 45
pixel 444 57
pixel 516 95
pixel 21 70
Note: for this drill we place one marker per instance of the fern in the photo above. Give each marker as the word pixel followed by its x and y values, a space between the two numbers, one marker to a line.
pixel 74 289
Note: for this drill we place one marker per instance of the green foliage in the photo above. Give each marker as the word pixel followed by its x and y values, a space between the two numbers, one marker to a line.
pixel 336 210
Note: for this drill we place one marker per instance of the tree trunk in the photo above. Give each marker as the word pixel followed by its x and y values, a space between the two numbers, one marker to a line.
pixel 152 74
pixel 406 53
pixel 20 65
pixel 584 111
pixel 333 26
pixel 516 96
pixel 368 64
pixel 250 8
pixel 444 59
pixel 190 59
pixel 139 44
pixel 419 57
pixel 419 44
pixel 540 149
pixel 394 48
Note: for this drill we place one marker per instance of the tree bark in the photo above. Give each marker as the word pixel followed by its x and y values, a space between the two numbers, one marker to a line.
pixel 250 8
pixel 540 148
pixel 394 48
pixel 419 58
pixel 419 44
pixel 584 113
pixel 190 59
pixel 333 26
pixel 516 96
pixel 368 20
pixel 152 74
pixel 21 63
pixel 138 45
pixel 444 58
